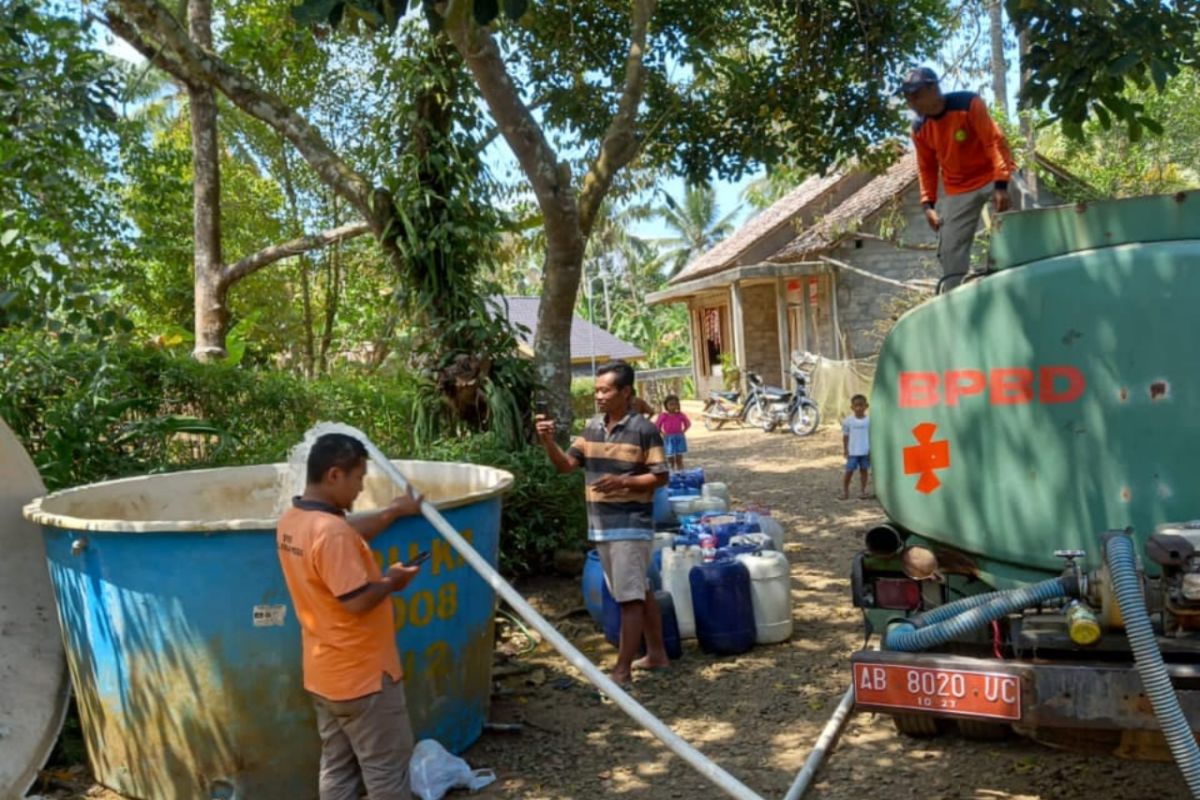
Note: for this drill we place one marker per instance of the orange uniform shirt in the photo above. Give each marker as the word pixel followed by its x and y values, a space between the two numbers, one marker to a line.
pixel 323 558
pixel 964 145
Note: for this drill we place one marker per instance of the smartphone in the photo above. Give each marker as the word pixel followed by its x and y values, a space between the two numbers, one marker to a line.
pixel 541 409
pixel 419 558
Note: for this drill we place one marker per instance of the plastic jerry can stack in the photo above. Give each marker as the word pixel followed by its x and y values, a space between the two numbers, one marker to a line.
pixel 705 504
pixel 770 595
pixel 672 641
pixel 663 515
pixel 716 490
pixel 769 525
pixel 593 586
pixel 721 602
pixel 677 563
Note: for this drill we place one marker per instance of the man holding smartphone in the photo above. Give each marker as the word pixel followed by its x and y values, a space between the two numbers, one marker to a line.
pixel 622 455
pixel 351 664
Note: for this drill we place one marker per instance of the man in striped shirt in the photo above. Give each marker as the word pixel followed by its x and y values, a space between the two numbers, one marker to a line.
pixel 622 454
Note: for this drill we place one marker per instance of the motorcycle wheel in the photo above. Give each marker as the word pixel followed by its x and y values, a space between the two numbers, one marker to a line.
pixel 805 419
pixel 755 417
pixel 712 423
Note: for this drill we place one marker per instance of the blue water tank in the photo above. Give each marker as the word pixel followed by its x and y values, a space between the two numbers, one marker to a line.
pixel 183 642
pixel 672 641
pixel 722 603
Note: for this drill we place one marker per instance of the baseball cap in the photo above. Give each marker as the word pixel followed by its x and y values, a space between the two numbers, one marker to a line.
pixel 915 79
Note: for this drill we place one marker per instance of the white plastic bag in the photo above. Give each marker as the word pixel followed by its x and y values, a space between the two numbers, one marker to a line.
pixel 433 771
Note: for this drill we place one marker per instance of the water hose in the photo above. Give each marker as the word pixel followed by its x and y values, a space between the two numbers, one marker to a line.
pixel 697 760
pixel 963 616
pixel 826 742
pixel 1149 661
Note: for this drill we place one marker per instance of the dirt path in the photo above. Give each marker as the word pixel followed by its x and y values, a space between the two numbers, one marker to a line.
pixel 759 714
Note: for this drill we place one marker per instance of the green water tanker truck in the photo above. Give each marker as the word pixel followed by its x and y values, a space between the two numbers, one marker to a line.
pixel 1035 435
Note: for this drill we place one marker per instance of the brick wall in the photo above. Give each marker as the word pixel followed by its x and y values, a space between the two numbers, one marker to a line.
pixel 760 319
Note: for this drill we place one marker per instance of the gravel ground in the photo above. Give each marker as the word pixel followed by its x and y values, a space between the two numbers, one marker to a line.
pixel 757 715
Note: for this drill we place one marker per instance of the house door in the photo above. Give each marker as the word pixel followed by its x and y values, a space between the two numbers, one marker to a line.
pixel 713 342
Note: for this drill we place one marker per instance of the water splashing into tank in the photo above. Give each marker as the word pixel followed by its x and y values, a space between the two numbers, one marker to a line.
pixel 292 480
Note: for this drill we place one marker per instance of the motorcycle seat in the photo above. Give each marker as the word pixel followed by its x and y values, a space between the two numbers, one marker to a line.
pixel 730 396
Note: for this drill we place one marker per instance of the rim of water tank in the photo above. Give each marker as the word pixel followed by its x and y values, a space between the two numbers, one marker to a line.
pixel 34 511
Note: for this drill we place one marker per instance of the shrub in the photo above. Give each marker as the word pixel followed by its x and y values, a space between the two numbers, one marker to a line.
pixel 88 414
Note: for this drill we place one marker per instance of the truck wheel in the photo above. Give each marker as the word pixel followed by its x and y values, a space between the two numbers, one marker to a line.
pixel 917 726
pixel 983 731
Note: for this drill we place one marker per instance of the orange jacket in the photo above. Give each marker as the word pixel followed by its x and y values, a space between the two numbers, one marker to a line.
pixel 964 144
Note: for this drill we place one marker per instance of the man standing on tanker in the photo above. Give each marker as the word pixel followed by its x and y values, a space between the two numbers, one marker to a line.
pixel 957 140
pixel 622 454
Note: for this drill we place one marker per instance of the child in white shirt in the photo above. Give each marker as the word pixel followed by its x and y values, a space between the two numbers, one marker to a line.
pixel 856 444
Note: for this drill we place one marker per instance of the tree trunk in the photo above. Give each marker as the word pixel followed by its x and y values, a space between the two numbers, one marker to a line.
pixel 333 282
pixel 607 303
pixel 211 313
pixel 293 205
pixel 1028 132
pixel 999 65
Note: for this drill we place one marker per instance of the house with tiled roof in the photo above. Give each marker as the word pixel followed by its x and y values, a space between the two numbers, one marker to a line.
pixel 821 271
pixel 590 344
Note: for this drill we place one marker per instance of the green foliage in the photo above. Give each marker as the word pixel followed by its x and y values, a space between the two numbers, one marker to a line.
pixel 1110 164
pixel 729 85
pixel 543 512
pixel 376 14
pixel 583 398
pixel 59 233
pixel 1088 57
pixel 696 224
pixel 87 414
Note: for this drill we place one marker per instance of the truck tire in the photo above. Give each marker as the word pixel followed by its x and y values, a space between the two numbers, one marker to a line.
pixel 918 726
pixel 979 731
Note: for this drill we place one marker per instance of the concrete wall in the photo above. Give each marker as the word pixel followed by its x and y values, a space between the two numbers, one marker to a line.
pixel 761 329
pixel 866 305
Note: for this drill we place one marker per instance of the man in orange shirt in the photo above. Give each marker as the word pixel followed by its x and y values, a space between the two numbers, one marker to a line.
pixel 957 140
pixel 351 664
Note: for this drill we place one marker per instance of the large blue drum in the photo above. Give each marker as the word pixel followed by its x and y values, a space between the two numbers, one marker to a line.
pixel 183 647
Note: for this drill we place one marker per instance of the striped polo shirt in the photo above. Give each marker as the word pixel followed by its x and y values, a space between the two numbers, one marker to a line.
pixel 633 447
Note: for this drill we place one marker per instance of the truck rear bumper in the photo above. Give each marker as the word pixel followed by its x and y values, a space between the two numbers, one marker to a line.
pixel 1029 694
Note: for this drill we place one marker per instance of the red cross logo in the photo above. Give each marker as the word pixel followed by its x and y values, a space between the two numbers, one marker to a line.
pixel 926 457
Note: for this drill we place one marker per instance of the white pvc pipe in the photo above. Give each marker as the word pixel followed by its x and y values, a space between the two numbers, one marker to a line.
pixel 826 742
pixel 731 785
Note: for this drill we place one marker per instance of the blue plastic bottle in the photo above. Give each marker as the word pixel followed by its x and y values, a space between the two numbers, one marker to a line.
pixel 672 641
pixel 592 584
pixel 722 603
pixel 595 589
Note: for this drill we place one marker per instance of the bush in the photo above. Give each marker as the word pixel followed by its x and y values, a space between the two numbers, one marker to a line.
pixel 88 414
pixel 543 512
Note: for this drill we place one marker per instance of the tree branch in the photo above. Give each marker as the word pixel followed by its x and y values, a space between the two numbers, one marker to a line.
pixel 620 144
pixel 156 34
pixel 551 181
pixel 276 252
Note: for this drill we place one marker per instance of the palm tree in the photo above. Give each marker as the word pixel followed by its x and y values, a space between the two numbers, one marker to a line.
pixel 695 222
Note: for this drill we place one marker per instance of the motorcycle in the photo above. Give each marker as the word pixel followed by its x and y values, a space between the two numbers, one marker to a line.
pixel 722 407
pixel 768 407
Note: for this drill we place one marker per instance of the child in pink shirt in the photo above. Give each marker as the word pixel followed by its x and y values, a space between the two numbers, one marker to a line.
pixel 673 424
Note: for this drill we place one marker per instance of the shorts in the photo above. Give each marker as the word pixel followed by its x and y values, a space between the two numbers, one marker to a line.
pixel 858 462
pixel 625 563
pixel 675 444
